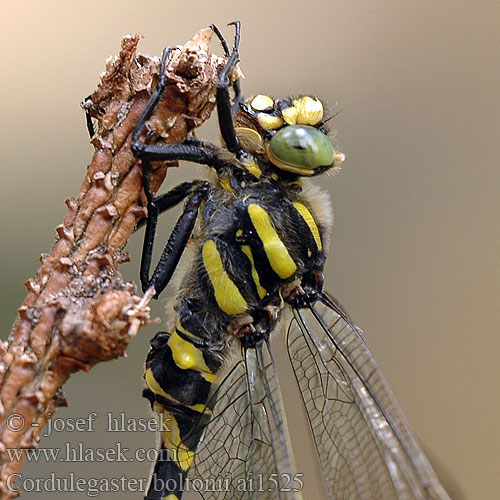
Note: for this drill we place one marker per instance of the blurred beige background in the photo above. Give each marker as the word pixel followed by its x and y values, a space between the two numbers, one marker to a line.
pixel 415 254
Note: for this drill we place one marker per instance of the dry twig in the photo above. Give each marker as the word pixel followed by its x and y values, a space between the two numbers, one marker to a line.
pixel 79 311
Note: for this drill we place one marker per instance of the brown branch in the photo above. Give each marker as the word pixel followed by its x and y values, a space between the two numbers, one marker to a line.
pixel 79 311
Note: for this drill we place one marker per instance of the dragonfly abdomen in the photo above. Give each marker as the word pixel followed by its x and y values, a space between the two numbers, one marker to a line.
pixel 180 370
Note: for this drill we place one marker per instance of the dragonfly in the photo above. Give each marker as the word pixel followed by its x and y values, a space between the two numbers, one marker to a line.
pixel 254 239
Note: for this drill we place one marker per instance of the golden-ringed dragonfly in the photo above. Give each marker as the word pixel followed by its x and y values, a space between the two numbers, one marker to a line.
pixel 257 236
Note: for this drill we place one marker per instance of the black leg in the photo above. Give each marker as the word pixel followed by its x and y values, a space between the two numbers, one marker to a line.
pixel 176 242
pixel 220 36
pixel 204 155
pixel 238 97
pixel 192 150
pixel 177 194
pixel 155 207
pixel 224 113
pixel 173 197
pixel 200 144
pixel 136 146
pixel 153 101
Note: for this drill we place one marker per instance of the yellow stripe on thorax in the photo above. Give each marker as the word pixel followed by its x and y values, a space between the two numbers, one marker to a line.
pixel 276 251
pixel 225 184
pixel 254 169
pixel 227 295
pixel 255 276
pixel 188 357
pixel 309 220
pixel 171 438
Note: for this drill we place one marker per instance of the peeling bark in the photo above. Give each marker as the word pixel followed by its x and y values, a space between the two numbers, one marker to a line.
pixel 79 311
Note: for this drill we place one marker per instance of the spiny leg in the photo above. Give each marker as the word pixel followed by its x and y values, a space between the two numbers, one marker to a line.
pixel 171 198
pixel 238 97
pixel 146 114
pixel 157 206
pixel 176 242
pixel 204 155
pixel 224 111
pixel 154 99
pixel 195 151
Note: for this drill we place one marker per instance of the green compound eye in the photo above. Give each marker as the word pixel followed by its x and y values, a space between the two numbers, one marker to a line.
pixel 300 149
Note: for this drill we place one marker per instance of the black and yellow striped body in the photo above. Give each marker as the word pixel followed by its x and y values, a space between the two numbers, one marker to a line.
pixel 254 241
pixel 257 237
pixel 180 371
pixel 253 246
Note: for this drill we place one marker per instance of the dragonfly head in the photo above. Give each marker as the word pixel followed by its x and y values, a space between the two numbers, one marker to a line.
pixel 288 134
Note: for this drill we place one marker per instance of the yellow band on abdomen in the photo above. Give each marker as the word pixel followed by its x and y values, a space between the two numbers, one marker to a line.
pixel 171 438
pixel 188 357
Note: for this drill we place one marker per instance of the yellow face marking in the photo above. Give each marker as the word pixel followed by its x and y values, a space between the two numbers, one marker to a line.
pixel 171 438
pixel 261 102
pixel 250 163
pixel 276 251
pixel 188 357
pixel 239 233
pixel 254 169
pixel 226 186
pixel 290 115
pixel 250 139
pixel 226 293
pixel 255 276
pixel 171 496
pixel 305 111
pixel 309 110
pixel 309 220
pixel 269 122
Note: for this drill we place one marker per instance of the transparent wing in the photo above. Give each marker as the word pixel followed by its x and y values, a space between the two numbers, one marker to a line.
pixel 245 447
pixel 366 448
